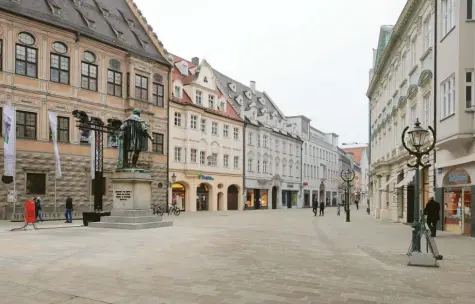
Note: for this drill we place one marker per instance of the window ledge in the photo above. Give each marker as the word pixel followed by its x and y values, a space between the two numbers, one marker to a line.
pixel 447 117
pixel 471 109
pixel 426 53
pixel 403 83
pixel 413 70
pixel 447 34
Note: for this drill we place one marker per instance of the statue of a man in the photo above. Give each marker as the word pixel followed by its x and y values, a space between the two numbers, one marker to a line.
pixel 132 140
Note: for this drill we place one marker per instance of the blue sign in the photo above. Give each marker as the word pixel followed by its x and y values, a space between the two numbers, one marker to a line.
pixel 205 177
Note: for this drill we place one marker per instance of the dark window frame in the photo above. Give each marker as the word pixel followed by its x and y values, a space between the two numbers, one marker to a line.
pixel 25 125
pixel 60 57
pixel 157 99
pixel 35 186
pixel 114 84
pixel 1 55
pixel 140 88
pixel 158 146
pixel 469 9
pixel 60 130
pixel 88 77
pixel 26 61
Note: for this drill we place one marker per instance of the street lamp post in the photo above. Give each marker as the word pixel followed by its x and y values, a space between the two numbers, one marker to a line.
pixel 347 176
pixel 413 141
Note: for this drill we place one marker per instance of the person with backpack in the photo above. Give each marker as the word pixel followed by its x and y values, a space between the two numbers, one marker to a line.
pixel 38 209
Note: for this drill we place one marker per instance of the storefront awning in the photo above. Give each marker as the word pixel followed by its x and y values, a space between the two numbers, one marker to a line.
pixel 407 179
pixel 385 185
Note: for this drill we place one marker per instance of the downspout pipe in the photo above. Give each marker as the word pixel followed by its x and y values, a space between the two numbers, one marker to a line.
pixel 169 185
pixel 369 149
pixel 301 168
pixel 244 164
pixel 434 88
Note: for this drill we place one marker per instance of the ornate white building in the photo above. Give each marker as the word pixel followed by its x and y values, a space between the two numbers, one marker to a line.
pixel 206 141
pixel 400 91
pixel 272 164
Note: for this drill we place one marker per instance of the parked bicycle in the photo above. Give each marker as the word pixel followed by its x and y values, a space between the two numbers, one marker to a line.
pixel 157 210
pixel 174 210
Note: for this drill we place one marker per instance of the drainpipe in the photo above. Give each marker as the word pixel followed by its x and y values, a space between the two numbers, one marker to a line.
pixel 434 88
pixel 244 164
pixel 369 149
pixel 168 142
pixel 301 166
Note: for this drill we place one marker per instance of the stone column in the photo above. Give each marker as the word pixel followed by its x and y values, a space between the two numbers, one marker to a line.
pixel 385 203
pixel 377 197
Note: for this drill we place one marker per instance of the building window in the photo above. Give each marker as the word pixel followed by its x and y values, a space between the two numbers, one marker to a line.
pixel 59 70
pixel 62 130
pixel 448 97
pixel 214 128
pixel 141 87
pixel 427 111
pixel 211 101
pixel 264 166
pixel 236 162
pixel 469 88
pixel 249 165
pixel 26 61
pixel 448 16
pixel 214 160
pixel 157 145
pixel 226 161
pixel 193 156
pixel 202 157
pixel 25 125
pixel 236 133
pixel 225 130
pixel 265 141
pixel 199 97
pixel 249 139
pixel 157 95
pixel 221 107
pixel 470 12
pixel 258 140
pixel 1 55
pixel 177 119
pixel 427 29
pixel 403 66
pixel 203 125
pixel 177 92
pixel 114 83
pixel 258 166
pixel 413 51
pixel 194 122
pixel 290 170
pixel 36 183
pixel 178 154
pixel 88 76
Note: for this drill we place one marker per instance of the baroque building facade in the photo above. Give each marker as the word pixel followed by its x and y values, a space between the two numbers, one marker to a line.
pixel 206 141
pixel 320 171
pixel 400 91
pixel 272 153
pixel 103 59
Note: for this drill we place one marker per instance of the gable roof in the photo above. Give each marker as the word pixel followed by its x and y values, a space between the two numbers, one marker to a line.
pixel 188 79
pixel 224 82
pixel 100 20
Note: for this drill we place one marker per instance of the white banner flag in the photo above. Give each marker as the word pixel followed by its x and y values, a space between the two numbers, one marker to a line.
pixel 92 141
pixel 53 123
pixel 9 138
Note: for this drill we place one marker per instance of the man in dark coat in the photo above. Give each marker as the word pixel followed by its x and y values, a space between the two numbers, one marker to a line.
pixel 432 211
pixel 315 206
pixel 69 210
pixel 322 208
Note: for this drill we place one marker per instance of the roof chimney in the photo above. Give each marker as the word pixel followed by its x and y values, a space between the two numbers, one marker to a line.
pixel 195 61
pixel 253 86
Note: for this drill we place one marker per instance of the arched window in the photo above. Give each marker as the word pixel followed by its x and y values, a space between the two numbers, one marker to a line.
pixel 60 48
pixel 26 56
pixel 59 65
pixel 89 72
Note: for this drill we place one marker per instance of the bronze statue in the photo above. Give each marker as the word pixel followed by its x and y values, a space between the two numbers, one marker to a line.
pixel 133 139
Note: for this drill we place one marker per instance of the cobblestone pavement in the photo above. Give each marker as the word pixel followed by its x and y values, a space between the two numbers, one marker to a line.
pixel 268 256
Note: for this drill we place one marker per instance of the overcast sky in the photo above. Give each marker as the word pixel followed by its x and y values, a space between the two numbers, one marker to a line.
pixel 311 56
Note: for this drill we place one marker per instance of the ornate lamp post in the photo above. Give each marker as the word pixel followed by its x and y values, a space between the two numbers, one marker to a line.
pixel 347 176
pixel 413 141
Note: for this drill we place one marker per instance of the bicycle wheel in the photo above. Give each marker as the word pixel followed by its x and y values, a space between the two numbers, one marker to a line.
pixel 177 212
pixel 160 211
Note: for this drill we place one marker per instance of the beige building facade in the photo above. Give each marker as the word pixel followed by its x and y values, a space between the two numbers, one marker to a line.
pixel 206 142
pixel 400 91
pixel 105 65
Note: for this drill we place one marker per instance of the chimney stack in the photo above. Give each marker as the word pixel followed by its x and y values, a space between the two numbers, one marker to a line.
pixel 195 61
pixel 253 86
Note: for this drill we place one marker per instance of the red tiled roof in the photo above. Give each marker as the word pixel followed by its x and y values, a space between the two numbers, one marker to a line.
pixel 357 153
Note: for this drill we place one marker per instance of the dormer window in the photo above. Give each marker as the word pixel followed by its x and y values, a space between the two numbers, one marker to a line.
pixel 205 80
pixel 248 95
pixel 54 8
pixel 232 86
pixel 239 99
pixel 211 101
pixel 105 11
pixel 182 67
pixel 90 23
pixel 221 106
pixel 177 92
pixel 261 100
pixel 78 2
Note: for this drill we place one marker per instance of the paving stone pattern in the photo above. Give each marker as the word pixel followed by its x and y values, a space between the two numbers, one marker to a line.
pixel 272 256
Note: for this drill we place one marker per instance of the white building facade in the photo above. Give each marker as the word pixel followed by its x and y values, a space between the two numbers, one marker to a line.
pixel 320 173
pixel 206 142
pixel 272 160
pixel 400 92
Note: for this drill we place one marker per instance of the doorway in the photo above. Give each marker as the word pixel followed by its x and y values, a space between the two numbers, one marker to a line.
pixel 410 203
pixel 220 198
pixel 178 196
pixel 257 196
pixel 202 197
pixel 306 199
pixel 232 198
pixel 274 197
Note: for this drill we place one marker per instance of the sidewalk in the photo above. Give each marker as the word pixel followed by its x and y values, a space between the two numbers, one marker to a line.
pixel 8 225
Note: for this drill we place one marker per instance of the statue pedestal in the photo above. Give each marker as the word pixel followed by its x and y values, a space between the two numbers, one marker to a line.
pixel 132 202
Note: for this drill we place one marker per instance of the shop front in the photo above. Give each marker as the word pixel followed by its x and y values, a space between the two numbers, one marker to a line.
pixel 257 199
pixel 201 191
pixel 457 202
pixel 290 195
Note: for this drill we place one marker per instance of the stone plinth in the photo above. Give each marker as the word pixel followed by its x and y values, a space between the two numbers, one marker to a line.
pixel 132 198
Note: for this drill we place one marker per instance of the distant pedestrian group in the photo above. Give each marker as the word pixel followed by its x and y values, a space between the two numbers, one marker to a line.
pixel 316 207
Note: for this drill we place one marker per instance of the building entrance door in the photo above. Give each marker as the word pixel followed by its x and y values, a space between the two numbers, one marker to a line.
pixel 202 198
pixel 274 197
pixel 257 199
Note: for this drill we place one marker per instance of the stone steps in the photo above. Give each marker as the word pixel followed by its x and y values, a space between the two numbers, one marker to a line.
pixel 131 226
pixel 131 219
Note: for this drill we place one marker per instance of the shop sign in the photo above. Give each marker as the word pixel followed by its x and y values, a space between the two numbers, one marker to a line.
pixel 457 176
pixel 305 184
pixel 205 177
pixel 290 185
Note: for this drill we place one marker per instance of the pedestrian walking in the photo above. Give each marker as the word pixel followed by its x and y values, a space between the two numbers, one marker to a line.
pixel 314 206
pixel 338 209
pixel 39 209
pixel 322 208
pixel 432 211
pixel 357 204
pixel 69 210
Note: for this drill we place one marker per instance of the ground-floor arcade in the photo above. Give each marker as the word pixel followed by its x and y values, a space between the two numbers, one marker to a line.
pixel 273 193
pixel 202 191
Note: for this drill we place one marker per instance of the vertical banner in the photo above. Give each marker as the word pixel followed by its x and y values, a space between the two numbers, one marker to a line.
pixel 53 123
pixel 9 138
pixel 92 142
